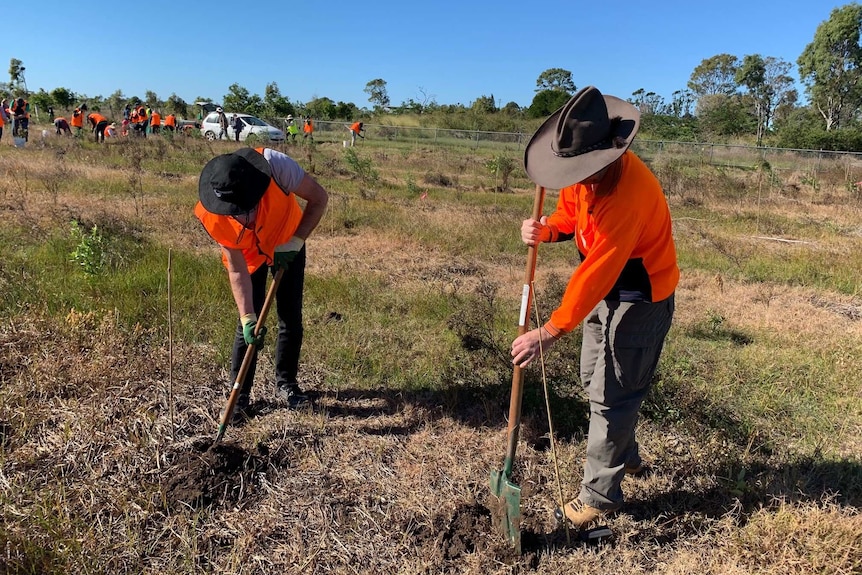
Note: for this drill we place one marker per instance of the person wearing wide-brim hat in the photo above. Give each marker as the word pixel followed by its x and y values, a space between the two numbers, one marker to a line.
pixel 622 291
pixel 248 205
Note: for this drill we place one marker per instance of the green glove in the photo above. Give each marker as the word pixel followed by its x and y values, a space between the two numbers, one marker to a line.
pixel 286 253
pixel 249 322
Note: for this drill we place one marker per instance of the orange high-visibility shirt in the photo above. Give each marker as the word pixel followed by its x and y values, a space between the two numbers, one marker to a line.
pixel 625 241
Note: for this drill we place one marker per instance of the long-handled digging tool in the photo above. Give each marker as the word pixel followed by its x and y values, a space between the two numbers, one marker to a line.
pixel 508 512
pixel 246 361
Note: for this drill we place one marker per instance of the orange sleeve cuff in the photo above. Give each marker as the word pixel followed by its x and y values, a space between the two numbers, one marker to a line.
pixel 553 330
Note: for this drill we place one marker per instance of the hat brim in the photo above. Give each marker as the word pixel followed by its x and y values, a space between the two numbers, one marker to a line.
pixel 551 171
pixel 258 182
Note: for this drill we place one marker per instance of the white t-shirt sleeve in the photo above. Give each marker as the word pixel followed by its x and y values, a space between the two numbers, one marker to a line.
pixel 287 173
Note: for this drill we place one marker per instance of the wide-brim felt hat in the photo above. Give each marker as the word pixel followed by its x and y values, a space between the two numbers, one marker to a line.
pixel 232 184
pixel 586 135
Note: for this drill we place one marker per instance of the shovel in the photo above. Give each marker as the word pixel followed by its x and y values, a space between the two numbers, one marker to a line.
pixel 508 513
pixel 246 361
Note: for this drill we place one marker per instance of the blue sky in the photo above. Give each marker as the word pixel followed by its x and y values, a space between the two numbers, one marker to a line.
pixel 453 51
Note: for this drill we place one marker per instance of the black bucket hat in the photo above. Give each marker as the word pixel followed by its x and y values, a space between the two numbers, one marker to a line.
pixel 232 184
pixel 584 136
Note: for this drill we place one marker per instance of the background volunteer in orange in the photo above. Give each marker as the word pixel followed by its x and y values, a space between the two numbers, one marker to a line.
pixel 356 129
pixel 308 130
pixel 155 122
pixel 99 123
pixel 248 205
pixel 614 209
pixel 78 119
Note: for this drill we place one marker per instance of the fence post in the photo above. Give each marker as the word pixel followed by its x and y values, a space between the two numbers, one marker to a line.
pixel 435 134
pixel 711 152
pixel 477 139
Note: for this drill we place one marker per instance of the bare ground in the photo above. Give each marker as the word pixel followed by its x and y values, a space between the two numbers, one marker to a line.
pixel 105 451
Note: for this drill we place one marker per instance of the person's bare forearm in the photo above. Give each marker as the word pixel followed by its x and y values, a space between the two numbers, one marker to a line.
pixel 240 282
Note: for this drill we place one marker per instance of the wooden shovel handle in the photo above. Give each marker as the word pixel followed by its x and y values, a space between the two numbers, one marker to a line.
pixel 249 355
pixel 523 327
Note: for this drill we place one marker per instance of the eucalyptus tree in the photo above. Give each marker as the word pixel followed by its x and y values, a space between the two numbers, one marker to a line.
pixel 556 79
pixel 714 75
pixel 16 75
pixel 831 65
pixel 238 99
pixel 275 104
pixel 377 93
pixel 768 83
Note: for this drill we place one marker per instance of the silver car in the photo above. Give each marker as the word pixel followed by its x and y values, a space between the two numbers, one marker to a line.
pixel 252 125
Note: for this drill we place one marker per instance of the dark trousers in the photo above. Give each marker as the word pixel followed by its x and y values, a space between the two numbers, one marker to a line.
pixel 100 131
pixel 288 342
pixel 20 127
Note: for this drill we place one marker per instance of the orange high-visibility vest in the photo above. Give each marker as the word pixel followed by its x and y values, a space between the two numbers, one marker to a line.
pixel 308 128
pixel 170 120
pixel 155 119
pixel 95 118
pixel 78 118
pixel 20 110
pixel 355 127
pixel 278 215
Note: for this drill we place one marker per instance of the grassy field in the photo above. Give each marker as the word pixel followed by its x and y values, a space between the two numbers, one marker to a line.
pixel 108 402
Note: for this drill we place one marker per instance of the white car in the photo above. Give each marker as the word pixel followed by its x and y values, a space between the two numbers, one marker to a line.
pixel 252 125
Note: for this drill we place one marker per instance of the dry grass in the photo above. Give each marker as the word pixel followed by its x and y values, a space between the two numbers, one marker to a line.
pixel 95 477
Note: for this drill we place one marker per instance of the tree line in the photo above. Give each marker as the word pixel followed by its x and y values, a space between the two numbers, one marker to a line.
pixel 752 97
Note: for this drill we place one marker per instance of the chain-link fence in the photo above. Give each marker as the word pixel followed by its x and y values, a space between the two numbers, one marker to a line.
pixel 811 163
pixel 339 132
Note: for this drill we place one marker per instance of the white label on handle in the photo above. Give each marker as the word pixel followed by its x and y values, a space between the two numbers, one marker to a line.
pixel 525 298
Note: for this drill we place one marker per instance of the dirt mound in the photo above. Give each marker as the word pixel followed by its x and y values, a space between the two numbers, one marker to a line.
pixel 460 534
pixel 207 475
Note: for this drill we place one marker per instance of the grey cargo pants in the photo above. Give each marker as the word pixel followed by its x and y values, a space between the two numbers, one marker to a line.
pixel 621 346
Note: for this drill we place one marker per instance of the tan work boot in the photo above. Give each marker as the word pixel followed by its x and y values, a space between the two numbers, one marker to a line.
pixel 580 515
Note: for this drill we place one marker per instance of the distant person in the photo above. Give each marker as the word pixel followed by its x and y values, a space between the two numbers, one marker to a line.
pixel 356 129
pixel 21 119
pixel 292 128
pixel 308 130
pixel 155 122
pixel 622 292
pixel 5 115
pixel 111 130
pixel 171 122
pixel 51 114
pixel 139 121
pixel 237 127
pixel 127 112
pixel 78 120
pixel 61 125
pixel 248 205
pixel 99 123
pixel 222 123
